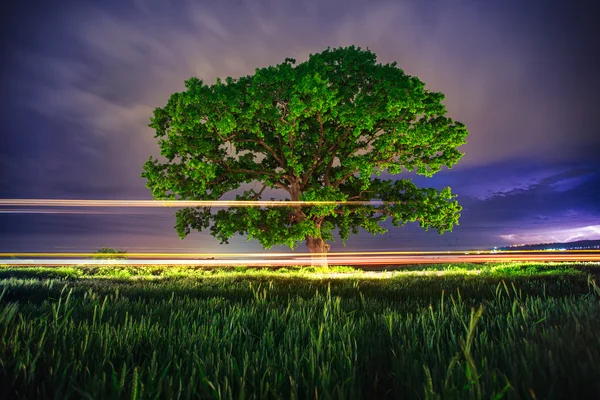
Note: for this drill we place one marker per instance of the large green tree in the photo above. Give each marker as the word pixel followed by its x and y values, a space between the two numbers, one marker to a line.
pixel 318 130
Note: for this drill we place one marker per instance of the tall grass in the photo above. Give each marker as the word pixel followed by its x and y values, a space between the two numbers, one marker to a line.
pixel 415 337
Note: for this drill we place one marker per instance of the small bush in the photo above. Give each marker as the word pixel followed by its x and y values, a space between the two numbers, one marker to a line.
pixel 106 253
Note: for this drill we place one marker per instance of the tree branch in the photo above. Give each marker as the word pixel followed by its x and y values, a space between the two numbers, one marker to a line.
pixel 317 158
pixel 343 178
pixel 257 196
pixel 357 197
pixel 284 187
pixel 266 147
pixel 328 171
pixel 281 161
pixel 322 135
pixel 365 145
pixel 352 211
pixel 333 150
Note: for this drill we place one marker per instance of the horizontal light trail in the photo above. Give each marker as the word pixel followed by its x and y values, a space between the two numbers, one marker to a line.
pixel 304 261
pixel 175 203
pixel 50 211
pixel 284 255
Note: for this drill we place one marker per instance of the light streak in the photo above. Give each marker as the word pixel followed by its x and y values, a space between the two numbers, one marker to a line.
pixel 332 255
pixel 177 203
pixel 355 261
pixel 50 211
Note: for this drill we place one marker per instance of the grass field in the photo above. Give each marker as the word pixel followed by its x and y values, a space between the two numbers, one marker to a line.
pixel 523 331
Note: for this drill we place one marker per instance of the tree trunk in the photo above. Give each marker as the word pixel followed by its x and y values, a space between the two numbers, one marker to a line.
pixel 318 249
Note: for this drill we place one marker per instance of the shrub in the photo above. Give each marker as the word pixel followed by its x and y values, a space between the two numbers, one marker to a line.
pixel 106 253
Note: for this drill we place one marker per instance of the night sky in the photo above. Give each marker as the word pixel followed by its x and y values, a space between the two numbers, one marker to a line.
pixel 79 81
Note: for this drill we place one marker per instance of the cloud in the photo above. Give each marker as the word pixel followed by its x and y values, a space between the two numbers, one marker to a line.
pixel 82 93
pixel 559 205
pixel 115 66
pixel 589 232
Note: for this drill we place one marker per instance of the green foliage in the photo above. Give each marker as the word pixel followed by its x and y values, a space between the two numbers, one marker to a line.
pixel 106 253
pixel 319 130
pixel 6 271
pixel 488 270
pixel 227 338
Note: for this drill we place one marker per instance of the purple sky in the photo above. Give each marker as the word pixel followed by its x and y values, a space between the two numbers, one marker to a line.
pixel 79 81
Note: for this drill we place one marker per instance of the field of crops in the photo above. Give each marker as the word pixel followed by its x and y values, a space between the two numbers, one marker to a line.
pixel 525 331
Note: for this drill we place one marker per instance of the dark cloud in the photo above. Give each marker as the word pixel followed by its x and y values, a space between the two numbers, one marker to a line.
pixel 557 207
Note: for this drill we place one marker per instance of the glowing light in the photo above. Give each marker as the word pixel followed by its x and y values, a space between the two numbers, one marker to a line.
pixel 175 203
pixel 302 261
pixel 50 211
pixel 332 255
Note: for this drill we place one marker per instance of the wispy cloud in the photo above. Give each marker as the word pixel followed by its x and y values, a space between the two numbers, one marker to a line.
pixel 88 84
pixel 128 62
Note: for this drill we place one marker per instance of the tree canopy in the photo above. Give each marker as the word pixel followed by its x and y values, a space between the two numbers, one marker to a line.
pixel 323 129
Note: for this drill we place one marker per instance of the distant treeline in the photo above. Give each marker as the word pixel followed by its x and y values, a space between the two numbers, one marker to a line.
pixel 578 245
